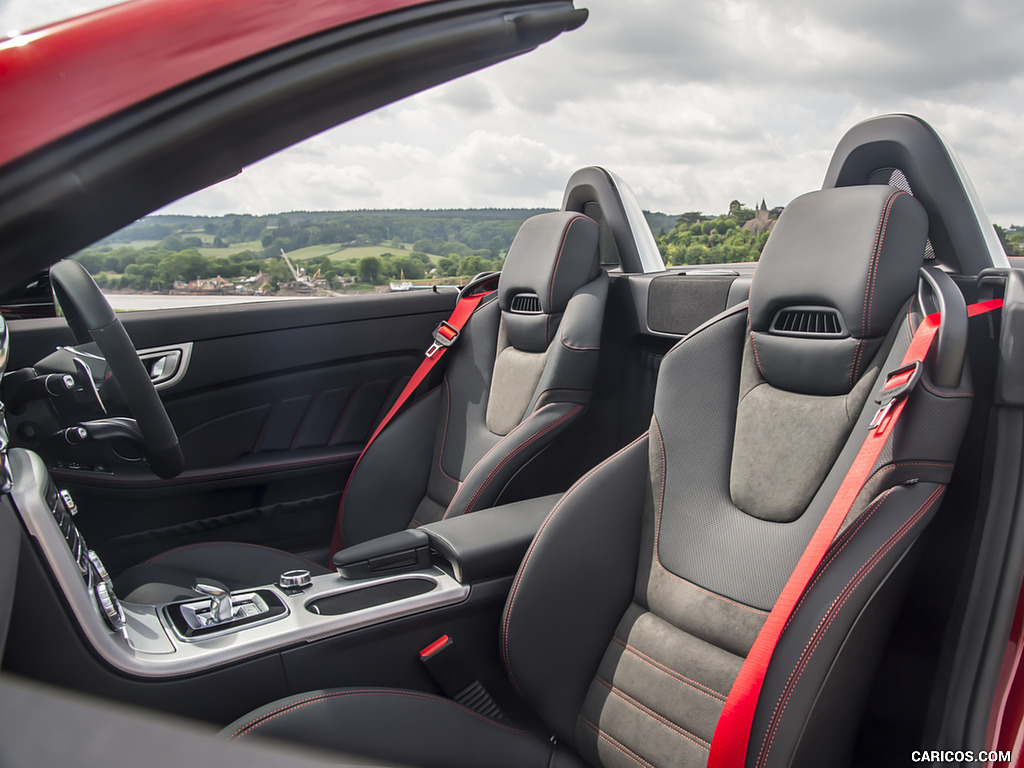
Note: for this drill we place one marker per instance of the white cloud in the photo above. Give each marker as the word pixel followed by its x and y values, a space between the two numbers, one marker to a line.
pixel 692 104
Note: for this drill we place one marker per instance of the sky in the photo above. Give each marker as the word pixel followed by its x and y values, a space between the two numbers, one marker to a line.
pixel 694 104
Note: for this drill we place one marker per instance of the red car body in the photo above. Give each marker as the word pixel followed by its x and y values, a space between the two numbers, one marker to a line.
pixel 75 73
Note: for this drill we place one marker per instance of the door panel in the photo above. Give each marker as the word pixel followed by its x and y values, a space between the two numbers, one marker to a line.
pixel 272 409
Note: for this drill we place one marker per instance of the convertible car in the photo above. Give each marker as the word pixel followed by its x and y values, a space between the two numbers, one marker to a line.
pixel 617 514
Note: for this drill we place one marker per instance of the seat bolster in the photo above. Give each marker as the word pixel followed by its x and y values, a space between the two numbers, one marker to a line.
pixel 401 726
pixel 571 367
pixel 485 482
pixel 825 662
pixel 581 324
pixel 573 587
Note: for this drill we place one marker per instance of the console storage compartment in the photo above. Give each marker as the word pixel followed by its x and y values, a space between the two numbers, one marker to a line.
pixel 492 542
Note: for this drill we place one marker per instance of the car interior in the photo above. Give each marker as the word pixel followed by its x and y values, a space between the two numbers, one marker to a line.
pixel 701 418
pixel 568 536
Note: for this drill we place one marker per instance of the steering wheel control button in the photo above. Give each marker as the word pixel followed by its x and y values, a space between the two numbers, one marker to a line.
pixel 295 581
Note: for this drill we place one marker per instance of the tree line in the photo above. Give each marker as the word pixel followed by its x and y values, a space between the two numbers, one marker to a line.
pixel 414 245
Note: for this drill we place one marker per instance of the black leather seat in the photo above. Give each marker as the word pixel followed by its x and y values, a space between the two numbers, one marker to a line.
pixel 646 586
pixel 521 372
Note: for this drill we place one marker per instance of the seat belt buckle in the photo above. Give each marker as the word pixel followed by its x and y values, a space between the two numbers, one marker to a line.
pixel 444 336
pixel 898 384
pixel 455 678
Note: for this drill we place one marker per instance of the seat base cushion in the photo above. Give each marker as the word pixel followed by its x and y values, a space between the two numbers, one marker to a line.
pixel 407 727
pixel 170 576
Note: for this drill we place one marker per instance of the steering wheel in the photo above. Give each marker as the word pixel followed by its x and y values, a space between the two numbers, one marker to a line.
pixel 91 318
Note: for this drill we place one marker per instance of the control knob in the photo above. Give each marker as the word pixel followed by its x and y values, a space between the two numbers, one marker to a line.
pixel 110 607
pixel 297 579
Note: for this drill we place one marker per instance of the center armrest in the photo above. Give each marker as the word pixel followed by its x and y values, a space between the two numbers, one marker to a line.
pixel 491 542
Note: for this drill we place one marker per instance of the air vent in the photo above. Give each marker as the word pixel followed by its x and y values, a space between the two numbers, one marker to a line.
pixel 525 304
pixel 819 322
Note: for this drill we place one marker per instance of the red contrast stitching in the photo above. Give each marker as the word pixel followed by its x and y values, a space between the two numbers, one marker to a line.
pixel 513 593
pixel 658 718
pixel 650 661
pixel 444 433
pixel 498 445
pixel 626 751
pixel 830 616
pixel 845 538
pixel 869 294
pixel 940 393
pixel 512 454
pixel 255 723
pixel 757 359
pixel 856 361
pixel 657 530
pixel 554 273
pixel 567 345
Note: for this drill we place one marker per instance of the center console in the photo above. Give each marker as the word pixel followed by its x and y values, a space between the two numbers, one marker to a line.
pixel 404 576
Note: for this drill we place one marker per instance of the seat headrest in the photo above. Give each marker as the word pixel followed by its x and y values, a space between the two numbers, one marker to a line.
pixel 837 268
pixel 552 256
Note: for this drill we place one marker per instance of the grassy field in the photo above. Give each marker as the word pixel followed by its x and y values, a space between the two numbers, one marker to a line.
pixel 361 251
pixel 356 252
pixel 214 253
pixel 315 251
pixel 334 250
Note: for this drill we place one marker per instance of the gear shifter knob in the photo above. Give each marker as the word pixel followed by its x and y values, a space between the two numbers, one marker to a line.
pixel 221 609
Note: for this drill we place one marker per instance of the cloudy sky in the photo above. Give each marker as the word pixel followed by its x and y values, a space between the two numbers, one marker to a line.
pixel 694 104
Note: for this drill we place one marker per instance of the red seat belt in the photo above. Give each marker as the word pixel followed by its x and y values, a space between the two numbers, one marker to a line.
pixel 732 734
pixel 445 335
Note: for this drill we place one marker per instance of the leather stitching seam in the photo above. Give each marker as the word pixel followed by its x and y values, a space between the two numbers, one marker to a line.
pixel 830 616
pixel 658 718
pixel 514 592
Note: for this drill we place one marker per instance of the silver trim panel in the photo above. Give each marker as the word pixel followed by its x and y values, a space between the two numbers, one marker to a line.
pixel 149 650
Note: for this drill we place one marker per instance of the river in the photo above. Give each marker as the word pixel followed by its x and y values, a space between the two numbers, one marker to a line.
pixel 130 302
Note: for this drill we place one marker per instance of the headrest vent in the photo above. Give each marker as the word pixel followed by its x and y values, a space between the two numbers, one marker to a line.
pixel 819 322
pixel 525 304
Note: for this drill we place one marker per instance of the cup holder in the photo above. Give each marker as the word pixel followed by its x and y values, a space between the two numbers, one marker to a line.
pixel 370 596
